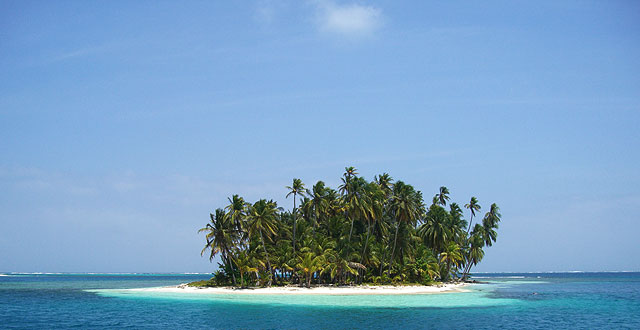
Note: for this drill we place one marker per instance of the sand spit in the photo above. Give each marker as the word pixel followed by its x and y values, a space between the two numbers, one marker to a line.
pixel 319 290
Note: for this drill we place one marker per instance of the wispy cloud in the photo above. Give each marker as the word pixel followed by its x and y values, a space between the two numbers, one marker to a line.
pixel 266 11
pixel 125 190
pixel 80 52
pixel 349 20
pixel 85 51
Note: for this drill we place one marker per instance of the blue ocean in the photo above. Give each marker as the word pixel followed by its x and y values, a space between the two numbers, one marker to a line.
pixel 508 301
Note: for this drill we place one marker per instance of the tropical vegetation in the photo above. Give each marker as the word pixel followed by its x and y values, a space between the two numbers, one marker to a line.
pixel 364 232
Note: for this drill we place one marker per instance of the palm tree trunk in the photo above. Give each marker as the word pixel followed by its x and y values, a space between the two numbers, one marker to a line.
pixel 294 224
pixel 364 249
pixel 465 274
pixel 465 264
pixel 268 262
pixel 316 217
pixel 233 275
pixel 228 261
pixel 470 221
pixel 351 231
pixel 394 249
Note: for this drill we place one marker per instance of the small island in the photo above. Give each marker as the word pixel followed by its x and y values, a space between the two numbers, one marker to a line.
pixel 377 235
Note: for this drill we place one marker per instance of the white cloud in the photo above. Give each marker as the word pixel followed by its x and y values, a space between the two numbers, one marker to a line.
pixel 83 52
pixel 352 20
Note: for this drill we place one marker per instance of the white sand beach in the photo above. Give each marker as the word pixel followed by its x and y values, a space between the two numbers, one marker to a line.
pixel 319 290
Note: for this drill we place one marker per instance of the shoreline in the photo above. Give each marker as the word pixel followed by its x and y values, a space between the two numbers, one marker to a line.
pixel 318 290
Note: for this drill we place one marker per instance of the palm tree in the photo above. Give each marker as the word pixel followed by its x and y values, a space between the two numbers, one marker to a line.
pixel 385 182
pixel 443 196
pixel 323 247
pixel 490 224
pixel 375 199
pixel 406 208
pixel 432 268
pixel 309 264
pixel 237 211
pixel 473 206
pixel 262 216
pixel 424 266
pixel 353 190
pixel 475 253
pixel 435 231
pixel 451 256
pixel 306 212
pixel 457 224
pixel 350 171
pixel 297 188
pixel 319 202
pixel 246 264
pixel 338 267
pixel 220 238
pixel 334 201
pixel 283 257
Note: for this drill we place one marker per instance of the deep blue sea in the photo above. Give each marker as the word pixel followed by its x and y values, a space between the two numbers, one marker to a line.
pixel 506 301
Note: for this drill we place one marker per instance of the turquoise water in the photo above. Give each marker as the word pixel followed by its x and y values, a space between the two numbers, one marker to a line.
pixel 545 300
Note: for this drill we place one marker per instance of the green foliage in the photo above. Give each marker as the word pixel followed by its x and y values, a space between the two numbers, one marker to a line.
pixel 364 232
pixel 205 283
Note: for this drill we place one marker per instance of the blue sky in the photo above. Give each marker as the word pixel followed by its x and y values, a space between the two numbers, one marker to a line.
pixel 123 124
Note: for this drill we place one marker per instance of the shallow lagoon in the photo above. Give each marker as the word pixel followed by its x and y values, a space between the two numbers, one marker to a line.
pixel 477 297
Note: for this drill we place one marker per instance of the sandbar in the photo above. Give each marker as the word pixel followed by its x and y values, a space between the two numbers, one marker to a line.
pixel 319 290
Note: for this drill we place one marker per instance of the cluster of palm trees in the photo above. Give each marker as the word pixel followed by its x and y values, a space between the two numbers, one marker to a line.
pixel 365 232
